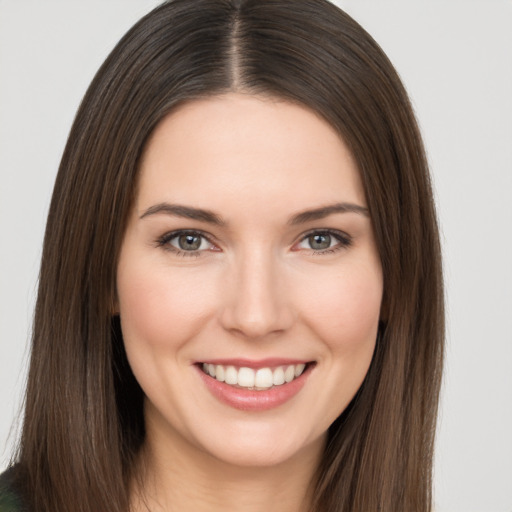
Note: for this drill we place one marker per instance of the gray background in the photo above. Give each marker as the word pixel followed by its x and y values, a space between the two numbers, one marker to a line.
pixel 455 58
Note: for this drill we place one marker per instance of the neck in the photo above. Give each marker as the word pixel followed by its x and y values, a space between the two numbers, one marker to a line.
pixel 178 479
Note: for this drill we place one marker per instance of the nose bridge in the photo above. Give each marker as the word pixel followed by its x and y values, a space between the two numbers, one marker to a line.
pixel 257 302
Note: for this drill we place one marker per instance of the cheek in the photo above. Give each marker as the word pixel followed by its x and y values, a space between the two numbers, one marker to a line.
pixel 345 308
pixel 161 308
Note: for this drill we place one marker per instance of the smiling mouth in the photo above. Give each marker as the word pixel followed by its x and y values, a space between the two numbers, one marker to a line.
pixel 260 379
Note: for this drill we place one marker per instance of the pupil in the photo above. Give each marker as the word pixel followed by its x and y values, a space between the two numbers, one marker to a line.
pixel 319 242
pixel 189 242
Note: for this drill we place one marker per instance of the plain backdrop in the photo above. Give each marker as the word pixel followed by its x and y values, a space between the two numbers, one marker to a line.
pixel 455 58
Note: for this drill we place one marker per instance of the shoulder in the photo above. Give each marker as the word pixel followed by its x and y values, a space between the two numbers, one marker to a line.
pixel 10 500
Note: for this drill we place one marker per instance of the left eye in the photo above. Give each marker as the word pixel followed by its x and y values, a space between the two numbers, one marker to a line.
pixel 322 241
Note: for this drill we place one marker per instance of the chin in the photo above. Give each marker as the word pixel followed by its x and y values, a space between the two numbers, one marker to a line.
pixel 265 453
pixel 260 444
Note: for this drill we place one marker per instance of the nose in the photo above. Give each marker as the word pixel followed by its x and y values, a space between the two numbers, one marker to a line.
pixel 256 299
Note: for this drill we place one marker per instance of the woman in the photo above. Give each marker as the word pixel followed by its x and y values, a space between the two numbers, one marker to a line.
pixel 240 300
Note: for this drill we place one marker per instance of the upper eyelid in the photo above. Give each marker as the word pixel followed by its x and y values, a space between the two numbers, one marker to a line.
pixel 173 234
pixel 343 239
pixel 340 235
pixel 208 236
pixel 324 230
pixel 164 241
pixel 329 231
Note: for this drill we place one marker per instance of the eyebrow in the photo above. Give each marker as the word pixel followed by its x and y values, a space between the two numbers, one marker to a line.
pixel 186 212
pixel 325 211
pixel 189 212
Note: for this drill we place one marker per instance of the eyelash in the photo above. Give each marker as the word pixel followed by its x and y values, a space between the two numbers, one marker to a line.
pixel 344 241
pixel 164 242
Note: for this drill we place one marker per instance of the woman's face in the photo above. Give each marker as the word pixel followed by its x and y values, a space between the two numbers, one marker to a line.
pixel 249 255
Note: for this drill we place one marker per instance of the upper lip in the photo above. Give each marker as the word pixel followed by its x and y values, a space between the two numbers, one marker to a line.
pixel 255 363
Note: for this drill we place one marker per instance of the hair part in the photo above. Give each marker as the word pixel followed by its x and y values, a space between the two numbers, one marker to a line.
pixel 83 425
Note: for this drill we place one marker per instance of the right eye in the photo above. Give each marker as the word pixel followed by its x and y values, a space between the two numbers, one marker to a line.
pixel 185 243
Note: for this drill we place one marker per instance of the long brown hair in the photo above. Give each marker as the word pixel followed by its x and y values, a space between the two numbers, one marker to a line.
pixel 83 424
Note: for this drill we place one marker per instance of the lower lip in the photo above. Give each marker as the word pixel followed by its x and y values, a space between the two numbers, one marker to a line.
pixel 250 400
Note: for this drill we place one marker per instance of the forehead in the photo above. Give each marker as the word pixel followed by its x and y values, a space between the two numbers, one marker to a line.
pixel 247 147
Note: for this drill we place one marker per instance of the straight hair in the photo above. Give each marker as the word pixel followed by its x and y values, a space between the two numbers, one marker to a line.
pixel 83 424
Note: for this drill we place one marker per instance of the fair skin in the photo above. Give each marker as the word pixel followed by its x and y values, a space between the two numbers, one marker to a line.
pixel 220 266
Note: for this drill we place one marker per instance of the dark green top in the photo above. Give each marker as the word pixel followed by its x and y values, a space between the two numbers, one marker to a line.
pixel 9 500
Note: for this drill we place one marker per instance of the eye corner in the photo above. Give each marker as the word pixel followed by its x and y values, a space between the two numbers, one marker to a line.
pixel 326 246
pixel 166 240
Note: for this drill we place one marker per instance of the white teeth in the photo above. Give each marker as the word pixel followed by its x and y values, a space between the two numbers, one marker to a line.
pixel 289 373
pixel 219 373
pixel 278 376
pixel 299 368
pixel 246 377
pixel 263 378
pixel 231 375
